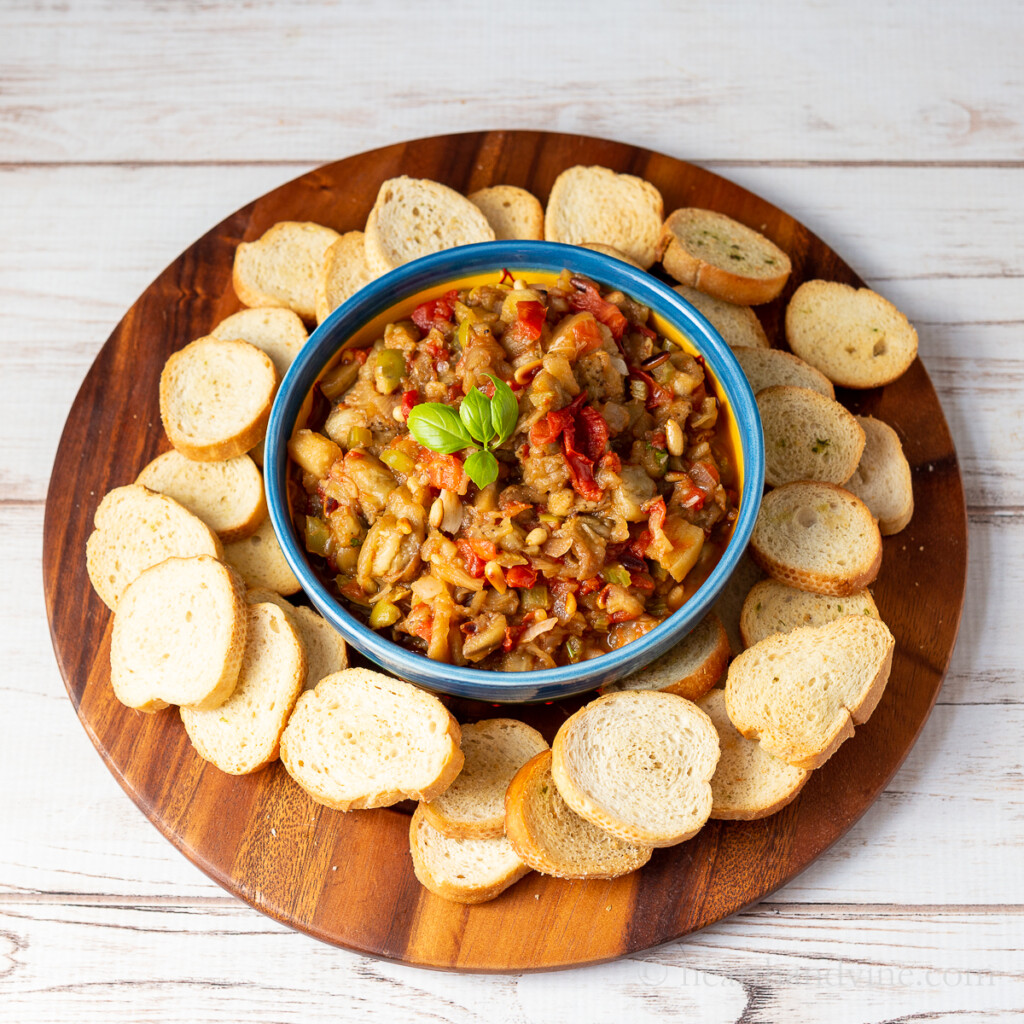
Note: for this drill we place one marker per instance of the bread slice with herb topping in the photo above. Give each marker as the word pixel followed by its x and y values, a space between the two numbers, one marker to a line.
pixel 553 839
pixel 807 436
pixel 462 870
pixel 594 204
pixel 722 257
pixel 749 783
pixel 771 607
pixel 639 765
pixel 282 266
pixel 817 537
pixel 801 693
pixel 362 739
pixel 854 336
pixel 473 806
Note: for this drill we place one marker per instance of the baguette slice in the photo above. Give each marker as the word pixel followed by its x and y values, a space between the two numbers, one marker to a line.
pixel 722 257
pixel 854 336
pixel 473 806
pixel 278 332
pixel 738 325
pixel 610 250
pixel 772 607
pixel 766 367
pixel 749 783
pixel 261 561
pixel 639 765
pixel 801 693
pixel 136 529
pixel 817 537
pixel 242 734
pixel 179 635
pixel 343 273
pixel 215 398
pixel 326 651
pixel 594 204
pixel 281 267
pixel 552 839
pixel 512 212
pixel 807 436
pixel 414 217
pixel 689 669
pixel 882 480
pixel 362 739
pixel 227 496
pixel 462 870
pixel 729 605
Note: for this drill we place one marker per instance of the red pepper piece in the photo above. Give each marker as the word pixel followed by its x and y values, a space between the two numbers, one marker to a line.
pixel 641 544
pixel 434 312
pixel 444 472
pixel 546 430
pixel 473 563
pixel 521 576
pixel 588 299
pixel 512 635
pixel 420 622
pixel 590 585
pixel 531 317
pixel 611 461
pixel 642 581
pixel 656 394
pixel 410 399
pixel 485 549
pixel 592 432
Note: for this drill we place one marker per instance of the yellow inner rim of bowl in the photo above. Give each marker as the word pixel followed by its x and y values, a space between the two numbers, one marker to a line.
pixel 374 329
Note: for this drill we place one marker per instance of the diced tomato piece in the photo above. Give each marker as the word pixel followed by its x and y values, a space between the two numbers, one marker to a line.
pixel 642 581
pixel 531 317
pixel 705 475
pixel 611 461
pixel 688 494
pixel 485 549
pixel 455 392
pixel 410 399
pixel 445 472
pixel 420 621
pixel 657 512
pixel 546 430
pixel 592 433
pixel 587 298
pixel 587 336
pixel 433 311
pixel 590 585
pixel 658 439
pixel 512 635
pixel 358 355
pixel 641 544
pixel 656 394
pixel 521 576
pixel 473 563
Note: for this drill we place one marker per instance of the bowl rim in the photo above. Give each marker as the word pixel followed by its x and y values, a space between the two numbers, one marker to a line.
pixel 450 265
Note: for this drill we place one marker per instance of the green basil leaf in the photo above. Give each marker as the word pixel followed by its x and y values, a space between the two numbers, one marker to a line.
pixel 475 413
pixel 438 428
pixel 482 468
pixel 504 409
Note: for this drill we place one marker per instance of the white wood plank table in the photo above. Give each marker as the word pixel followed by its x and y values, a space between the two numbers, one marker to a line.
pixel 896 132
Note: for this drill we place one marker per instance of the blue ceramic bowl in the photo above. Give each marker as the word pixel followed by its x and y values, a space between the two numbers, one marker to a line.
pixel 392 297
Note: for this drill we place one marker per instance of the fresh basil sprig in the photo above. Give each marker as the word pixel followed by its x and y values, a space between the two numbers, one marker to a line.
pixel 482 423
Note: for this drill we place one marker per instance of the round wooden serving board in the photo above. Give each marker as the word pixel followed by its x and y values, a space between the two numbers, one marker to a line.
pixel 348 878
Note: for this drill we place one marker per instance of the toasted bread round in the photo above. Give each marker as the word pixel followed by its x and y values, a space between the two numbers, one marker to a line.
pixel 179 635
pixel 817 537
pixel 227 496
pixel 638 764
pixel 854 336
pixel 343 273
pixel 738 325
pixel 749 783
pixel 414 217
pixel 801 693
pixel 362 739
pixel 553 839
pixel 882 480
pixel 473 806
pixel 767 367
pixel 807 436
pixel 594 204
pixel 272 329
pixel 135 529
pixel 512 212
pixel 215 398
pixel 462 870
pixel 610 250
pixel 282 266
pixel 242 734
pixel 326 651
pixel 734 593
pixel 720 256
pixel 689 669
pixel 771 607
pixel 261 561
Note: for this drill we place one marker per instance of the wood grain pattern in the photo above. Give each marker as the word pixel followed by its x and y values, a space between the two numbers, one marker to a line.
pixel 260 836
